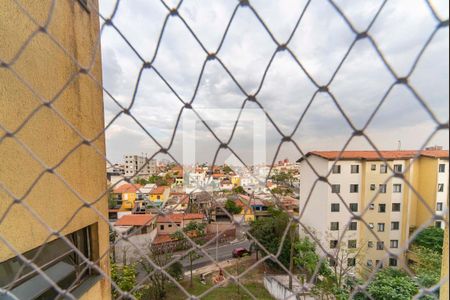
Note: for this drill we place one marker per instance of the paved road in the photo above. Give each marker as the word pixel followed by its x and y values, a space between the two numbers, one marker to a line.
pixel 224 253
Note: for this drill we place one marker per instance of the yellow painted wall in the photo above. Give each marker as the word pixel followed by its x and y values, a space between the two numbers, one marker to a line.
pixel 47 68
pixel 427 188
pixel 163 197
pixel 128 200
pixel 236 181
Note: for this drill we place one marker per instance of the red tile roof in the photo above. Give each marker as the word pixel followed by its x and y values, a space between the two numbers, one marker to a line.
pixel 127 188
pixel 373 155
pixel 162 239
pixel 158 190
pixel 135 220
pixel 176 218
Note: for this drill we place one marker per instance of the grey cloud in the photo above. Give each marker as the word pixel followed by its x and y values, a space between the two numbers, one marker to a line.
pixel 320 43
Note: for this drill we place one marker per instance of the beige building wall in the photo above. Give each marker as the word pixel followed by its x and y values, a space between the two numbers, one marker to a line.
pixel 46 68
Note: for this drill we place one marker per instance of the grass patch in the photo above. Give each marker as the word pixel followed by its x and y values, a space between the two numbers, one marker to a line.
pixel 229 292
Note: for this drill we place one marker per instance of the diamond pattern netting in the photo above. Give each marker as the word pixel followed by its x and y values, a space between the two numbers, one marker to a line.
pixel 210 55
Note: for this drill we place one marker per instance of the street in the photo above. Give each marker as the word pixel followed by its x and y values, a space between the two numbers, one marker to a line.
pixel 224 252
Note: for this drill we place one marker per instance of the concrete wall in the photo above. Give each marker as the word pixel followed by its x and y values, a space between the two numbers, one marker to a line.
pixel 277 290
pixel 47 69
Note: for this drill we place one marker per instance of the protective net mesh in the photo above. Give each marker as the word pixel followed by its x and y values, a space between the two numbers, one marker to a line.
pixel 156 265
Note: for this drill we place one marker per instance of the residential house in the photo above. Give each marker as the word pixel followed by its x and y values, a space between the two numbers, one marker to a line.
pixel 125 195
pixel 169 224
pixel 160 195
pixel 137 223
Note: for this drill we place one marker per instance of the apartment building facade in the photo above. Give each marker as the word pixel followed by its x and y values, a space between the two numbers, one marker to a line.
pixel 139 166
pixel 361 184
pixel 43 215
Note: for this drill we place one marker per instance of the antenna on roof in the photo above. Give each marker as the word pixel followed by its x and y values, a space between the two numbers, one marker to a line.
pixel 399 145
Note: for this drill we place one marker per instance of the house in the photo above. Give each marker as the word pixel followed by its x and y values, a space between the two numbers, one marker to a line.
pixel 290 204
pixel 169 224
pixel 136 224
pixel 160 194
pixel 247 212
pixel 178 202
pixel 125 195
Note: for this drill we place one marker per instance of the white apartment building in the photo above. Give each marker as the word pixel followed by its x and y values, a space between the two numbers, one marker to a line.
pixel 361 181
pixel 139 166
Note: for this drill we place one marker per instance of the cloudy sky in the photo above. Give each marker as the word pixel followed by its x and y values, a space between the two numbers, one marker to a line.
pixel 320 44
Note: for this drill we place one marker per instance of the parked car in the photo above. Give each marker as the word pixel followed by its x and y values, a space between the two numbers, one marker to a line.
pixel 240 252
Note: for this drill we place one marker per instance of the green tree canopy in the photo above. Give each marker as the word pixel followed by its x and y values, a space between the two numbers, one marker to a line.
pixel 392 284
pixel 269 232
pixel 431 238
pixel 232 208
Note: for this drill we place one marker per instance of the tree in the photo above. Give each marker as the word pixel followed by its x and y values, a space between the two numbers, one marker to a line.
pixel 227 170
pixel 306 258
pixel 232 208
pixel 125 279
pixel 158 180
pixel 427 267
pixel 197 232
pixel 392 284
pixel 269 233
pixel 239 190
pixel 431 238
pixel 157 279
pixel 176 270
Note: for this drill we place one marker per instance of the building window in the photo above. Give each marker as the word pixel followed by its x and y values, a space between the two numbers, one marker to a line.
pixel 69 269
pixel 393 262
pixel 370 263
pixel 353 226
pixel 336 188
pixel 369 244
pixel 371 226
pixel 332 262
pixel 334 244
pixel 336 169
pixel 394 244
pixel 351 262
pixel 354 188
pixel 397 188
pixel 398 168
pixel 383 188
pixel 395 226
pixel 382 208
pixel 380 245
pixel 334 226
pixel 354 169
pixel 371 206
pixel 396 207
pixel 354 207
pixel 440 187
pixel 381 227
pixel 439 206
pixel 352 244
pixel 335 207
pixel 379 264
pixel 373 167
pixel 161 227
pixel 170 225
pixel 442 168
pixel 383 169
pixel 373 187
pixel 438 224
